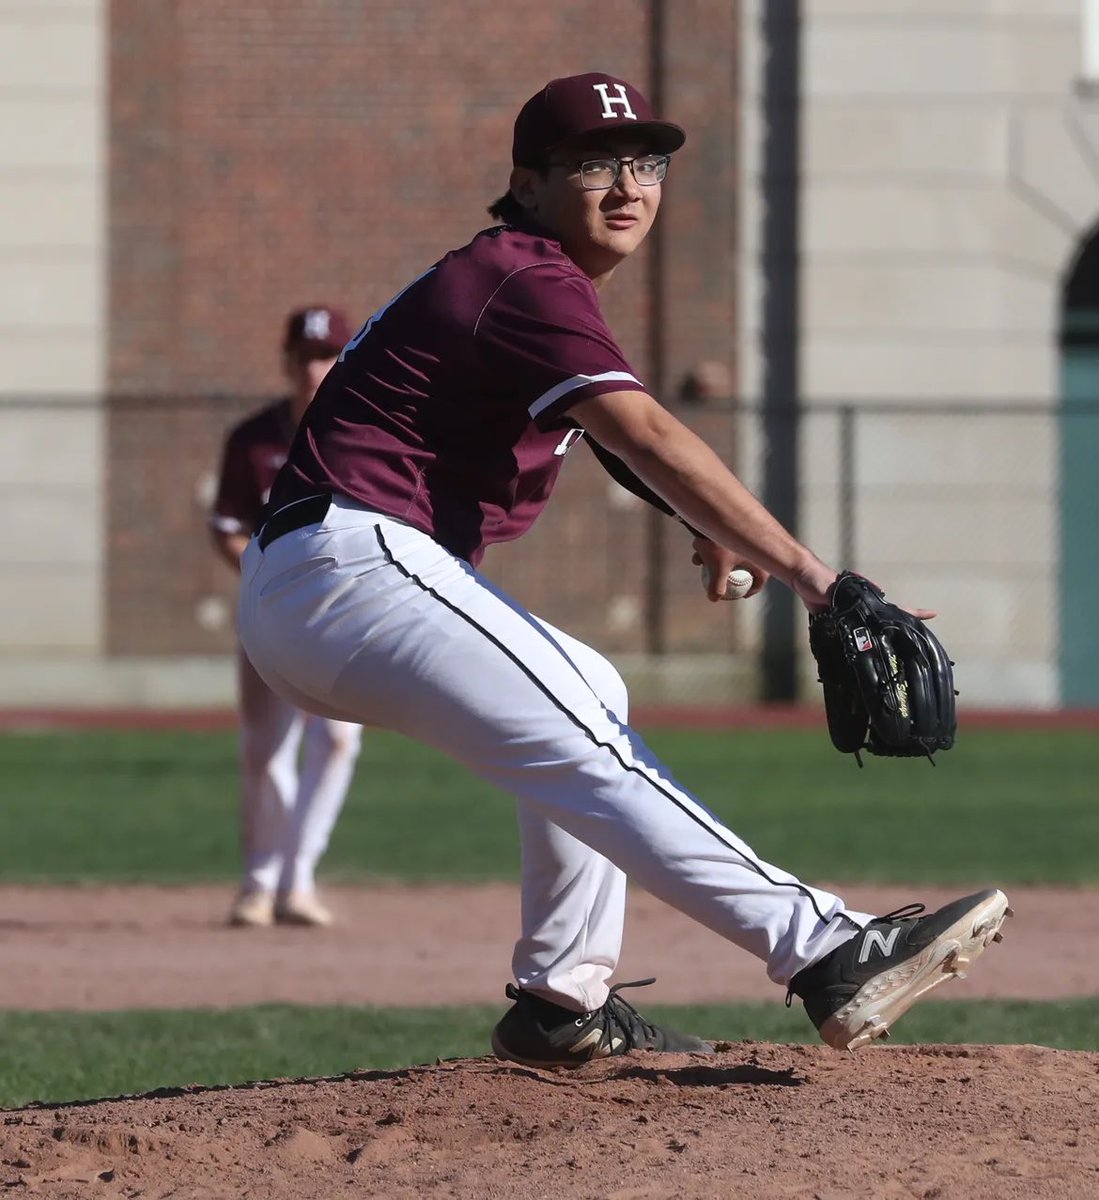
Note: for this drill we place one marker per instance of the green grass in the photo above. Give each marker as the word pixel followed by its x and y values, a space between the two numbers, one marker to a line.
pixel 1011 807
pixel 54 1057
pixel 100 806
pixel 1014 807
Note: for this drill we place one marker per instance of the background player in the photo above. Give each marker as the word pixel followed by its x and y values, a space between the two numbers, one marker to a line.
pixel 287 812
pixel 441 430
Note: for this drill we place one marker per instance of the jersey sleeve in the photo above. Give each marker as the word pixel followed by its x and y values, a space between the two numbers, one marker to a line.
pixel 238 503
pixel 544 342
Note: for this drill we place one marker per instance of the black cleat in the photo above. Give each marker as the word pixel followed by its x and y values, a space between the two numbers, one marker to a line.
pixel 539 1033
pixel 854 994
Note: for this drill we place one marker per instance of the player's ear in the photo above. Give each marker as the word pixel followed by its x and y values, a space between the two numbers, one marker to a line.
pixel 521 186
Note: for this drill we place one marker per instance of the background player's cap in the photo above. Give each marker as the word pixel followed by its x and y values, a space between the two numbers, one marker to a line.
pixel 316 332
pixel 583 105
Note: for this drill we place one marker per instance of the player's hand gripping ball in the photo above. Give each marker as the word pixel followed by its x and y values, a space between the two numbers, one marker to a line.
pixel 737 586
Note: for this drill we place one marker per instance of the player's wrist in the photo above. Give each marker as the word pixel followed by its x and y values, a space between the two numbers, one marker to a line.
pixel 812 580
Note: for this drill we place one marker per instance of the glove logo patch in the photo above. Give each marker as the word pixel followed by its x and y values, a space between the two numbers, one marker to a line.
pixel 863 640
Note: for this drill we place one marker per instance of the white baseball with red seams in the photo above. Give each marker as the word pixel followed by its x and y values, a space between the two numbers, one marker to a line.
pixel 737 586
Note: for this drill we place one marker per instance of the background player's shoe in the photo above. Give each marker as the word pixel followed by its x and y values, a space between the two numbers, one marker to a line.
pixel 301 908
pixel 539 1033
pixel 253 908
pixel 855 993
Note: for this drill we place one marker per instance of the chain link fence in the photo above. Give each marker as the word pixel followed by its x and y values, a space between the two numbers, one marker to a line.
pixel 987 512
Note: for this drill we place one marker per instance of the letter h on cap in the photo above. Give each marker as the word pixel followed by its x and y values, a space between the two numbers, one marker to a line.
pixel 608 103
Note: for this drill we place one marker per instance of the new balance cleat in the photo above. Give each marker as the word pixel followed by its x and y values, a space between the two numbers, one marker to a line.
pixel 857 992
pixel 539 1033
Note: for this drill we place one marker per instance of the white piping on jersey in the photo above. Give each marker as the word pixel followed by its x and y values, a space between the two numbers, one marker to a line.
pixel 555 393
pixel 496 290
pixel 376 317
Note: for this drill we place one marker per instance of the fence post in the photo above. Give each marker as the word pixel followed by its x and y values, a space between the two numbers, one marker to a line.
pixel 847 466
pixel 781 32
pixel 656 563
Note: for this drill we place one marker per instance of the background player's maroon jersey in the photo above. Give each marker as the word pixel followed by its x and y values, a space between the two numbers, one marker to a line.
pixel 447 409
pixel 254 453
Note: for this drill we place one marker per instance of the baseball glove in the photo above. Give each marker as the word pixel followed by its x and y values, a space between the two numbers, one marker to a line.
pixel 888 683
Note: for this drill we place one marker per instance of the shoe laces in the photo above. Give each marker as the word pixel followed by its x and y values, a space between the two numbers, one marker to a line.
pixel 907 912
pixel 622 1020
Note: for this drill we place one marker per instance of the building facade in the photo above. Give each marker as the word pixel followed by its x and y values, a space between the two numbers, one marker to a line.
pixel 949 179
pixel 174 177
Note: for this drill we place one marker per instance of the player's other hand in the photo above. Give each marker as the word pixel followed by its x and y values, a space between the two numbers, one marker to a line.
pixel 718 562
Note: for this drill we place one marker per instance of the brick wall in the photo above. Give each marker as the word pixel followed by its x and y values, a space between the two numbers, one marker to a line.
pixel 268 154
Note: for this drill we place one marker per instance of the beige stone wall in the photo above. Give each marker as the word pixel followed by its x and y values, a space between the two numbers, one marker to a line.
pixel 949 168
pixel 52 324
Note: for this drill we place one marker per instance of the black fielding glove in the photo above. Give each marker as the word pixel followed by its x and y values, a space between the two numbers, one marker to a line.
pixel 888 682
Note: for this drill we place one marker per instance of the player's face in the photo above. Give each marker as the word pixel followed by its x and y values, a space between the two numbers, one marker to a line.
pixel 599 226
pixel 307 374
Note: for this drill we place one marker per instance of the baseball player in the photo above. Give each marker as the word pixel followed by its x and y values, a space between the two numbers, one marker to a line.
pixel 287 812
pixel 441 430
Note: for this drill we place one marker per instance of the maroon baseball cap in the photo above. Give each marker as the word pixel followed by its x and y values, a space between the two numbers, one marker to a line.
pixel 316 332
pixel 577 106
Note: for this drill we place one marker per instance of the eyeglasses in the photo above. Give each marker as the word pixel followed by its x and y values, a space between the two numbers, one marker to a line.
pixel 599 174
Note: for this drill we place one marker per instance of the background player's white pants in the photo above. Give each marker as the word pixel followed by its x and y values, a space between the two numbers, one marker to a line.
pixel 365 619
pixel 287 811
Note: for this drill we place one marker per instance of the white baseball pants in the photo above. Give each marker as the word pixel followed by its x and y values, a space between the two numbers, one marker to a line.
pixel 365 619
pixel 287 810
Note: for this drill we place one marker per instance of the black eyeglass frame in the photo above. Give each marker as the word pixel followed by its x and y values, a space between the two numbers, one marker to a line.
pixel 662 160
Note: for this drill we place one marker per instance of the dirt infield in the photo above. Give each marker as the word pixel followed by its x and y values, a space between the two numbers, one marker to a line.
pixel 756 1121
pixel 148 947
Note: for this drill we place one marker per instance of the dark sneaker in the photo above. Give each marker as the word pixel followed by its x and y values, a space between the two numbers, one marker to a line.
pixel 539 1033
pixel 855 993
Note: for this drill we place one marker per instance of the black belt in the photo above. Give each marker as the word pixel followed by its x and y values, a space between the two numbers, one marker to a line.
pixel 309 511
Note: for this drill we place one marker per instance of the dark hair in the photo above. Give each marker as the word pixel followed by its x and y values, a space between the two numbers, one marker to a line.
pixel 507 209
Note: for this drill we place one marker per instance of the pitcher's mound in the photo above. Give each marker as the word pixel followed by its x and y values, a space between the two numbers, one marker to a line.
pixel 757 1120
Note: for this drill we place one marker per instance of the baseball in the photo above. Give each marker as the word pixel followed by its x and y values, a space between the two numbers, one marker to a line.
pixel 737 586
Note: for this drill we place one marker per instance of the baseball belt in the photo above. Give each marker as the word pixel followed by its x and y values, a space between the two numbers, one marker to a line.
pixel 296 515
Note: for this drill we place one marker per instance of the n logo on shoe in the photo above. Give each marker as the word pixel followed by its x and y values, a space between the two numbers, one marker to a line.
pixel 591 1038
pixel 883 942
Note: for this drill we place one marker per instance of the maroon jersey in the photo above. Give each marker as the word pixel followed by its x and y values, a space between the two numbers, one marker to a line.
pixel 254 452
pixel 448 408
